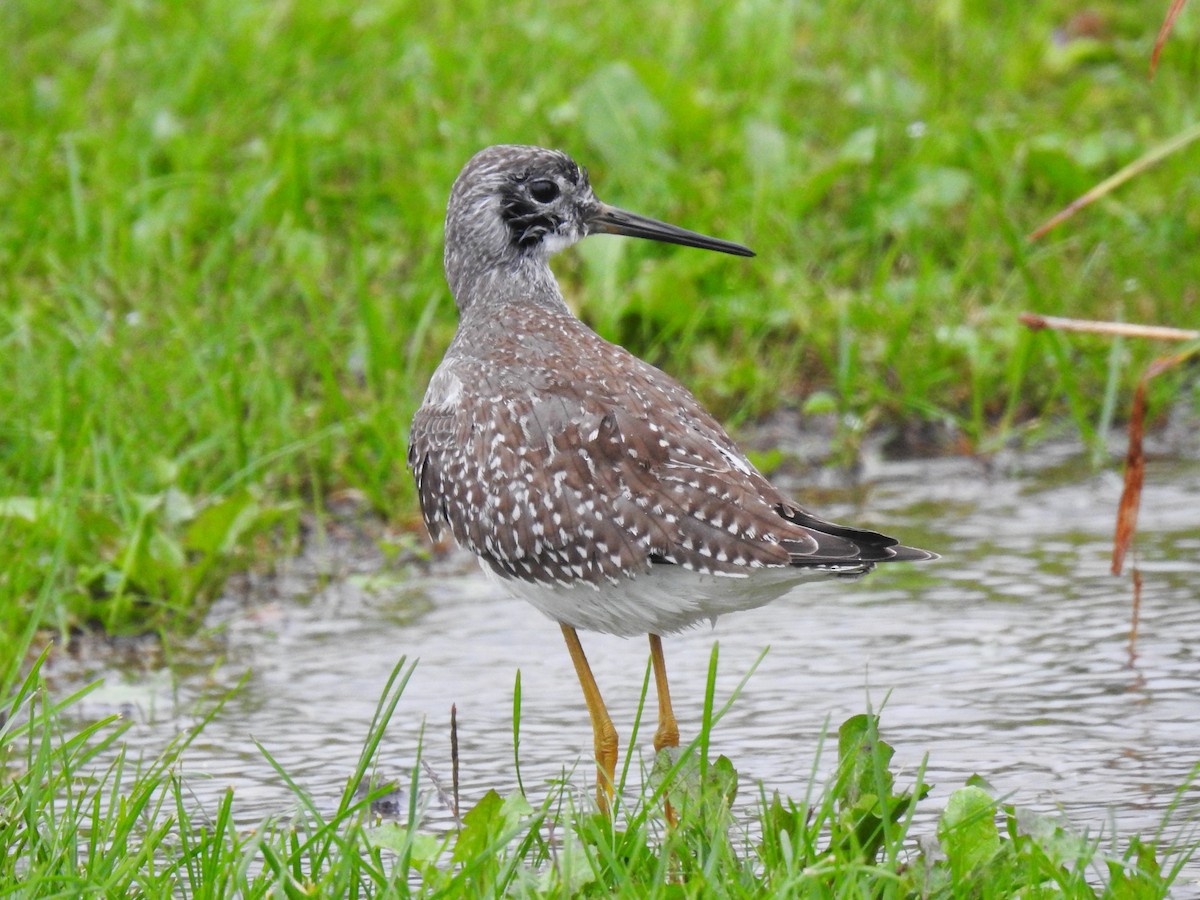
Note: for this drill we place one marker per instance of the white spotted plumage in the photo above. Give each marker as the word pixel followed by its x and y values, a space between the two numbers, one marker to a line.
pixel 586 480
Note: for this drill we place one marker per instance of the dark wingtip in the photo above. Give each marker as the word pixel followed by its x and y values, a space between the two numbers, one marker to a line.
pixel 849 543
pixel 900 553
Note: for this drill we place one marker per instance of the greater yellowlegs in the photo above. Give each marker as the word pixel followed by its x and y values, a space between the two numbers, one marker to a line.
pixel 585 480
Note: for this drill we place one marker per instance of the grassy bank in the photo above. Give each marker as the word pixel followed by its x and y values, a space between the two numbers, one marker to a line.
pixel 220 280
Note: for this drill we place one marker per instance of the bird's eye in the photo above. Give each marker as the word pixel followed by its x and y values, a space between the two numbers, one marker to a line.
pixel 543 190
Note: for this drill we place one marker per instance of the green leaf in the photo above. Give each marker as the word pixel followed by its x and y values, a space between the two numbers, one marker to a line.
pixel 479 825
pixel 177 507
pixel 217 527
pixel 860 147
pixel 723 781
pixel 767 152
pixel 820 403
pixel 866 803
pixel 31 509
pixel 861 754
pixel 1140 881
pixel 624 123
pixel 967 830
pixel 941 187
pixel 487 821
pixel 422 848
pixel 514 809
pixel 707 803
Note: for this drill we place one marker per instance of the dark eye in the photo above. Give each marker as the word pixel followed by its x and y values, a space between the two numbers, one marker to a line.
pixel 543 190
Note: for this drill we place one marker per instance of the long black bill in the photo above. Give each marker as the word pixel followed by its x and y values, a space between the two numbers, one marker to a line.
pixel 611 220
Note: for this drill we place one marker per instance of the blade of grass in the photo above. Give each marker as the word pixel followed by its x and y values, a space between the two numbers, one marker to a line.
pixel 1108 185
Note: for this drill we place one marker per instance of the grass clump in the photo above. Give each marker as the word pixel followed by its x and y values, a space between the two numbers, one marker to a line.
pixel 78 817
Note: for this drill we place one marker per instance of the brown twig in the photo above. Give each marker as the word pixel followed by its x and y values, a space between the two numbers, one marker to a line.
pixel 1168 23
pixel 454 757
pixel 1135 456
pixel 1122 329
pixel 1137 611
pixel 1135 459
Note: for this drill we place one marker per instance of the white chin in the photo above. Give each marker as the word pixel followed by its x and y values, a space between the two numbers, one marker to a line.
pixel 552 243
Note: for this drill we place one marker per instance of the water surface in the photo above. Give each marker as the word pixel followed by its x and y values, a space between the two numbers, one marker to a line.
pixel 1010 658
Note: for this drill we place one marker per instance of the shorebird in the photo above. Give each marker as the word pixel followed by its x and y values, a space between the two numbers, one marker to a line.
pixel 585 480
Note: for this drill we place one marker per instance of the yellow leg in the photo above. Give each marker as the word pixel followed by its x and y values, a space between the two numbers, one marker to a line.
pixel 668 731
pixel 667 734
pixel 603 732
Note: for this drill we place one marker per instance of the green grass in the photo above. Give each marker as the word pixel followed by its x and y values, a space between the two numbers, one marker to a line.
pixel 81 818
pixel 221 291
pixel 220 277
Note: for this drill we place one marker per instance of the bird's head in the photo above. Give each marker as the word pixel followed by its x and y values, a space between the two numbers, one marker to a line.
pixel 514 205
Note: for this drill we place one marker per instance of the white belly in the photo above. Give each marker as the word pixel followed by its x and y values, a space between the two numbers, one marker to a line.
pixel 666 599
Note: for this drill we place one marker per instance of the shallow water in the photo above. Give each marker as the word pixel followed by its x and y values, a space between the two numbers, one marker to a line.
pixel 1010 658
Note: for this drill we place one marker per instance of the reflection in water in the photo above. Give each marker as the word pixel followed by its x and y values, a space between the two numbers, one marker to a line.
pixel 1010 658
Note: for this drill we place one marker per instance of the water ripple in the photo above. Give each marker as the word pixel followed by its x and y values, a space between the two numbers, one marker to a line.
pixel 1010 658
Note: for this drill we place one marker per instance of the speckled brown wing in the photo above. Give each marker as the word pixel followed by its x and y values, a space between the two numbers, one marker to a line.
pixel 514 477
pixel 436 429
pixel 555 482
pixel 733 518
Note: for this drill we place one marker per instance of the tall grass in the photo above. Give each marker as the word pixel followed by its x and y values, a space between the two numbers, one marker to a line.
pixel 220 285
